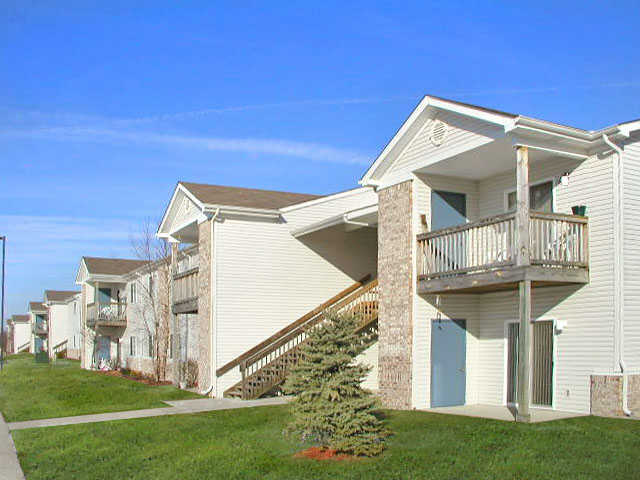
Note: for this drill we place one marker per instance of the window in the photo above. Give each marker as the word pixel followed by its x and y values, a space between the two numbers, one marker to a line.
pixel 75 307
pixel 132 346
pixel 133 293
pixel 540 197
pixel 171 346
pixel 150 345
pixel 150 285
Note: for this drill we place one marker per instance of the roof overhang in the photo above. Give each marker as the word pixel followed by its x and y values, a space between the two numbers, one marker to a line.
pixel 525 131
pixel 203 212
pixel 358 218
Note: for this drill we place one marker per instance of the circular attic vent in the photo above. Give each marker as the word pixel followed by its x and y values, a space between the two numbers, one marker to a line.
pixel 438 132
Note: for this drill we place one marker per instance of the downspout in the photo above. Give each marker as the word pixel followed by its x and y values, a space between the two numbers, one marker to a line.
pixel 214 295
pixel 618 218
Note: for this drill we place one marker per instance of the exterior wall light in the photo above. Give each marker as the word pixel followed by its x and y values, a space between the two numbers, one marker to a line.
pixel 564 179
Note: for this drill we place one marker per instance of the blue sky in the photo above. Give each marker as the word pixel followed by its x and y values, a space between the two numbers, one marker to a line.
pixel 104 108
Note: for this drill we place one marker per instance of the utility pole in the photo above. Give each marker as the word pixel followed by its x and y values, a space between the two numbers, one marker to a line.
pixel 3 343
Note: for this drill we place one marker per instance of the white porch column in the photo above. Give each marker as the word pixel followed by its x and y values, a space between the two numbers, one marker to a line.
pixel 523 259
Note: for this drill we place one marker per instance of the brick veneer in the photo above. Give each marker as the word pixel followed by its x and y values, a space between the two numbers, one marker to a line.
pixel 204 305
pixel 395 276
pixel 606 395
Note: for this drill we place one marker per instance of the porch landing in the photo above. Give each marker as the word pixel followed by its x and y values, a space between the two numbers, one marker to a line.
pixel 496 412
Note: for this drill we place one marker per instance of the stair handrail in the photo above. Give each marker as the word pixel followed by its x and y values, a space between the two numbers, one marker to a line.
pixel 283 340
pixel 23 346
pixel 314 314
pixel 64 342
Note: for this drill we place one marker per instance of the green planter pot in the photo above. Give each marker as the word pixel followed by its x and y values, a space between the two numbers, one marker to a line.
pixel 579 210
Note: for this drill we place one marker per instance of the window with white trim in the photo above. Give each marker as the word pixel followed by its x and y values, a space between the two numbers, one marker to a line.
pixel 540 197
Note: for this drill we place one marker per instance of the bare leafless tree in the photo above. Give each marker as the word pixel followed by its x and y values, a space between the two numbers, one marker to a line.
pixel 154 306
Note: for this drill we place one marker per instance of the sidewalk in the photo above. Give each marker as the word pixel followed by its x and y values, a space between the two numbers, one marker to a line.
pixel 177 407
pixel 9 465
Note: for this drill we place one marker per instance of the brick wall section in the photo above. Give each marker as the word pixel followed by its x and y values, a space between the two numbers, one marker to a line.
pixel 634 395
pixel 204 305
pixel 395 276
pixel 606 395
pixel 83 329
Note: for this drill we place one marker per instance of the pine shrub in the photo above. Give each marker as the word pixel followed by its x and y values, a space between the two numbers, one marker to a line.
pixel 330 406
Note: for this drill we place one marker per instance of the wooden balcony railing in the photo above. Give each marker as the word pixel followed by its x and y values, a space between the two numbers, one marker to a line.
pixel 40 328
pixel 185 286
pixel 489 244
pixel 107 314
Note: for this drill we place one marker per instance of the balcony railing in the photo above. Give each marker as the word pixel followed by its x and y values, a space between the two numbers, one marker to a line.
pixel 556 240
pixel 185 286
pixel 107 314
pixel 40 328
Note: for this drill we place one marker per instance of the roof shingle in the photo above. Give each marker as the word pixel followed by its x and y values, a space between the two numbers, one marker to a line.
pixel 112 266
pixel 36 306
pixel 245 197
pixel 59 295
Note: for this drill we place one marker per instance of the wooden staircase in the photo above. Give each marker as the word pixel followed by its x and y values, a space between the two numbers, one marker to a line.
pixel 266 366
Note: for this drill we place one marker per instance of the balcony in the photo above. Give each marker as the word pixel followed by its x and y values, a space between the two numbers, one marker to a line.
pixel 40 328
pixel 482 256
pixel 185 291
pixel 107 315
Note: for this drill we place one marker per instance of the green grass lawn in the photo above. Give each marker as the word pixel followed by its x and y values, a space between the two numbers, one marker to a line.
pixel 30 391
pixel 249 444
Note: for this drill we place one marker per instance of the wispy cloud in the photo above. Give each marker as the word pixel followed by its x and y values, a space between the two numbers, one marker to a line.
pixel 305 150
pixel 55 239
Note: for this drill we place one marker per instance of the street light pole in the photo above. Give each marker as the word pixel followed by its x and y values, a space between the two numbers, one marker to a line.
pixel 2 334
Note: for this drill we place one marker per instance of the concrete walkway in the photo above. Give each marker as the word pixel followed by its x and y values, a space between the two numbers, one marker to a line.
pixel 9 465
pixel 503 413
pixel 177 407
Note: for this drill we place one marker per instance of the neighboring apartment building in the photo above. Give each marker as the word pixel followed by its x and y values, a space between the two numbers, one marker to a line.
pixel 20 333
pixel 124 305
pixel 64 317
pixel 39 323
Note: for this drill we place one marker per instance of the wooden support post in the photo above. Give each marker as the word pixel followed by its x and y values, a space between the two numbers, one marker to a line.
pixel 522 234
pixel 524 353
pixel 243 369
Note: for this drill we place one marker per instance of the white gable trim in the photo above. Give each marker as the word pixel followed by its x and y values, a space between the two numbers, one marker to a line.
pixel 503 120
pixel 328 198
pixel 162 229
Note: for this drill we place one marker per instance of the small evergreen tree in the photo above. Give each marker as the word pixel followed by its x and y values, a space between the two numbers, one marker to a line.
pixel 331 406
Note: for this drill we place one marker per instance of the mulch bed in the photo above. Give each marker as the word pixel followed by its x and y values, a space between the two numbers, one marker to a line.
pixel 135 378
pixel 319 453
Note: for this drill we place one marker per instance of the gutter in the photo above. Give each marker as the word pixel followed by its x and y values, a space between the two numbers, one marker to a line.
pixel 618 218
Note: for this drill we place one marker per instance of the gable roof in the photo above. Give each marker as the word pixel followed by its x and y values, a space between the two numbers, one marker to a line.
pixel 509 123
pixel 22 318
pixel 111 266
pixel 37 307
pixel 245 197
pixel 59 295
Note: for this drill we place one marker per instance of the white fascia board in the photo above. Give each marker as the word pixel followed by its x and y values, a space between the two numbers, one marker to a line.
pixel 333 221
pixel 179 188
pixel 366 178
pixel 327 198
pixel 81 275
pixel 506 121
pixel 93 277
pixel 627 128
pixel 210 209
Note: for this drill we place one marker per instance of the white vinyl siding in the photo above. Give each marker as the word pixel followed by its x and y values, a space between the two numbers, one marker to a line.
pixel 631 236
pixel 464 134
pixel 266 278
pixel 586 345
